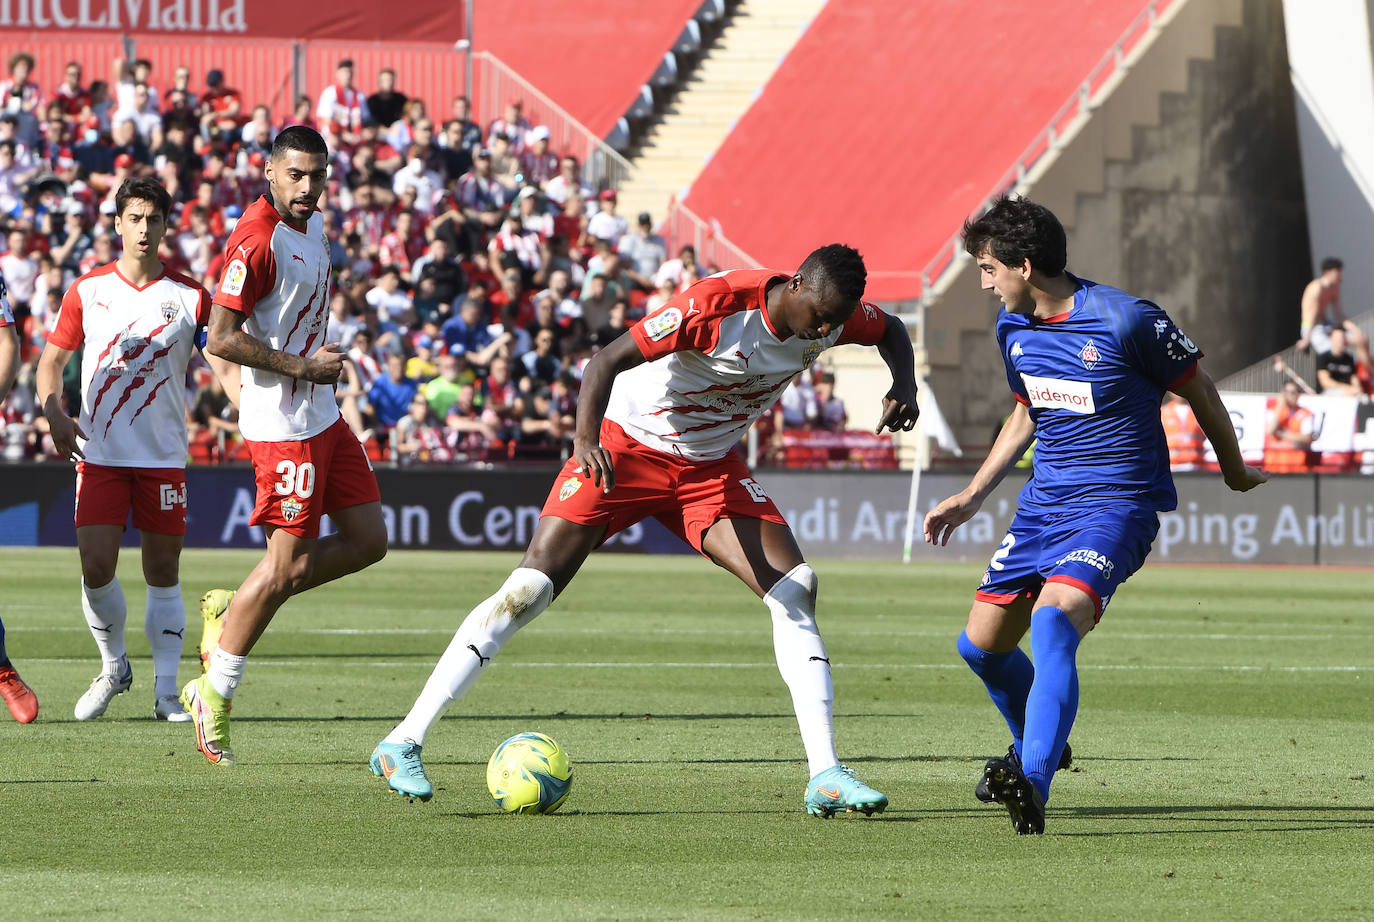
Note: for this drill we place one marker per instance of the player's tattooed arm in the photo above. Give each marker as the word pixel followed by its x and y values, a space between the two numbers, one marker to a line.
pixel 227 340
pixel 594 461
pixel 899 405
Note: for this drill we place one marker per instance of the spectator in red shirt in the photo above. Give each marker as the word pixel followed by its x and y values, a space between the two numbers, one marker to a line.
pixel 73 96
pixel 221 109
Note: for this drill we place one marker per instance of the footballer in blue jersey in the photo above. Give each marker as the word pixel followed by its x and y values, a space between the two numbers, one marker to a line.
pixel 1088 366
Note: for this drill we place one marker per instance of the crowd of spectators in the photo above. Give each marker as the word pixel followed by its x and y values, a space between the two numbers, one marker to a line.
pixel 475 270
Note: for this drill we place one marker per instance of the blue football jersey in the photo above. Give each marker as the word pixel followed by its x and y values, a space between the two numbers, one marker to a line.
pixel 1093 379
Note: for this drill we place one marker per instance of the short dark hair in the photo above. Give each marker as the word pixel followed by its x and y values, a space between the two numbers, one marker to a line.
pixel 1330 263
pixel 839 267
pixel 1014 230
pixel 143 189
pixel 301 138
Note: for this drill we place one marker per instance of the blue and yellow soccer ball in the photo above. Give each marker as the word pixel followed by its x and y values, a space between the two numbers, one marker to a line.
pixel 529 773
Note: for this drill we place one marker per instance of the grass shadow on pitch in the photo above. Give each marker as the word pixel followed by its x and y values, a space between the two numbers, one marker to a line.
pixel 1194 819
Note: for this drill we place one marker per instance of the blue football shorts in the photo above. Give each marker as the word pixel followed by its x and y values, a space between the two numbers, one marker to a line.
pixel 1093 549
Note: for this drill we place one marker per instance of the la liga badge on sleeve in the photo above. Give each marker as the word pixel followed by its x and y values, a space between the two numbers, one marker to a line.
pixel 234 277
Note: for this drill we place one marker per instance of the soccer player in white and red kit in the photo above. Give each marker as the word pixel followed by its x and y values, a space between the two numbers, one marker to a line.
pixel 136 324
pixel 19 698
pixel 270 315
pixel 659 414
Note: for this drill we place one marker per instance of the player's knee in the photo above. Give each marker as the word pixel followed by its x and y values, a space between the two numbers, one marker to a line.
pixel 372 548
pixel 796 592
pixel 97 571
pixel 525 594
pixel 291 578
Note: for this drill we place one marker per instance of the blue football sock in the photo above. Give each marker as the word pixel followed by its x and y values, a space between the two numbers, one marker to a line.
pixel 1008 678
pixel 4 657
pixel 1053 701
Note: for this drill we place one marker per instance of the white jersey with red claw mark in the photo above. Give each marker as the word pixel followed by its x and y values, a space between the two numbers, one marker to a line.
pixel 278 275
pixel 715 364
pixel 135 344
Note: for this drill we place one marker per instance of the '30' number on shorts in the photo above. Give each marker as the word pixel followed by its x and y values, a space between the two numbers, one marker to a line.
pixel 296 478
pixel 1003 552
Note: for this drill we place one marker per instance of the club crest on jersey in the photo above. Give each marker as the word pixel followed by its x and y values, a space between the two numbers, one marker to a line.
pixel 169 311
pixel 290 508
pixel 660 325
pixel 1090 355
pixel 570 486
pixel 234 277
pixel 810 354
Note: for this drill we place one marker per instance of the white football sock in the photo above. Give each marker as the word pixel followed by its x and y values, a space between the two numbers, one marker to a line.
pixel 165 624
pixel 804 663
pixel 105 615
pixel 480 637
pixel 225 672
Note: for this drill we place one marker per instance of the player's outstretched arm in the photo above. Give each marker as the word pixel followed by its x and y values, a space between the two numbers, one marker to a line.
pixel 9 359
pixel 1013 439
pixel 227 340
pixel 594 461
pixel 63 428
pixel 1211 415
pixel 899 406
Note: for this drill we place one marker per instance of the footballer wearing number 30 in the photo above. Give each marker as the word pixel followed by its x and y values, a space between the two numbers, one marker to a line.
pixel 659 414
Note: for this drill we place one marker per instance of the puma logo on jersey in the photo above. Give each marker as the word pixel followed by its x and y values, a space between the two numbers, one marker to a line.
pixel 691 307
pixel 298 259
pixel 244 250
pixel 744 357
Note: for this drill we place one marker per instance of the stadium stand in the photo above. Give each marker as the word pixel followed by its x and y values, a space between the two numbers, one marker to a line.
pixel 605 53
pixel 963 118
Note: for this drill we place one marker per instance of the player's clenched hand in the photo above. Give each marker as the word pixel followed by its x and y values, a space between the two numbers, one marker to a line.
pixel 899 411
pixel 325 366
pixel 949 515
pixel 65 431
pixel 594 463
pixel 1248 479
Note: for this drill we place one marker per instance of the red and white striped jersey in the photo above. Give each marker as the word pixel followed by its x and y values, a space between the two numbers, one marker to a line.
pixel 135 345
pixel 278 275
pixel 715 365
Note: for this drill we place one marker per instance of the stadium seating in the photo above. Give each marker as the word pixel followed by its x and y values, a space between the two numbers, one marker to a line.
pixel 592 56
pixel 910 81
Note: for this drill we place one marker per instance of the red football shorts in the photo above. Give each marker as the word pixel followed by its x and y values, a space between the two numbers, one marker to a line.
pixel 300 482
pixel 688 497
pixel 156 495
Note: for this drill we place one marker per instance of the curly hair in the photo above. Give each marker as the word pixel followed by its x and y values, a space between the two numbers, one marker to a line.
pixel 1014 230
pixel 839 267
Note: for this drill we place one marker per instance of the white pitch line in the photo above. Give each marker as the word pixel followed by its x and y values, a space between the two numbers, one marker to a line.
pixel 547 628
pixel 425 664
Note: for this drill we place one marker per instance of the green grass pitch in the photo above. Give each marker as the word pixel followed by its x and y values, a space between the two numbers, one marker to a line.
pixel 1225 755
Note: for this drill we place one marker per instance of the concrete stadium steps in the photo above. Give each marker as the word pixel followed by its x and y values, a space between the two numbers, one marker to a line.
pixel 1186 165
pixel 724 86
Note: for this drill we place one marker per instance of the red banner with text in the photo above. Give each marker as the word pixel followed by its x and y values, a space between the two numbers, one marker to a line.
pixel 346 19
